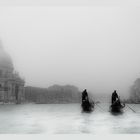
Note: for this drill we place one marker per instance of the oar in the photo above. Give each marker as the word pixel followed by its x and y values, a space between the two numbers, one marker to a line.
pixel 131 109
pixel 97 105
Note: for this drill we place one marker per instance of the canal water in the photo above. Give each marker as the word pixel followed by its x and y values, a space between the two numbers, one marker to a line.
pixel 67 119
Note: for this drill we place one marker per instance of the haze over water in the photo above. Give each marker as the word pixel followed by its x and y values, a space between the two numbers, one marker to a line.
pixel 66 119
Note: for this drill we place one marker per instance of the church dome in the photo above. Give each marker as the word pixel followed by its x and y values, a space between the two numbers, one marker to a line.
pixel 5 60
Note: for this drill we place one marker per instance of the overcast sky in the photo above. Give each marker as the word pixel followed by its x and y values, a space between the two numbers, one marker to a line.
pixel 95 47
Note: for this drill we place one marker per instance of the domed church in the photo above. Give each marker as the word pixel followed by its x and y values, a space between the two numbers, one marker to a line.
pixel 11 85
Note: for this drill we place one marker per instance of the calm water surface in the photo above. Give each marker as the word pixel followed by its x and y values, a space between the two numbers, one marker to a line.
pixel 66 119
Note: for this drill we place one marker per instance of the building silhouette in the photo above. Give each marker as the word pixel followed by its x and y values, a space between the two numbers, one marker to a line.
pixel 11 84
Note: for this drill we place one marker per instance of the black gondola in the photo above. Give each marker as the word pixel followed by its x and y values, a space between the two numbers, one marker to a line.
pixel 87 106
pixel 117 107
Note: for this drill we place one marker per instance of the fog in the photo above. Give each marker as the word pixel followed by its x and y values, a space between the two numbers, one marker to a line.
pixel 94 47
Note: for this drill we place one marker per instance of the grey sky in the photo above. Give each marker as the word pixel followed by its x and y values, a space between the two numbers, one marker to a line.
pixel 93 47
pixel 70 2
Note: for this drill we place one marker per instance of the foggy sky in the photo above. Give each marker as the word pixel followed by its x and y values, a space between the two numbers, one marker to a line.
pixel 93 47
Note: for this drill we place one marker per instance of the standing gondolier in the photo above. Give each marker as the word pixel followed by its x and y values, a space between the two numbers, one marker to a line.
pixel 84 96
pixel 86 105
pixel 114 97
pixel 116 103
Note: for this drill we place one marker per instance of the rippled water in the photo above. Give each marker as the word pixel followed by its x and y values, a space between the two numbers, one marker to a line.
pixel 66 119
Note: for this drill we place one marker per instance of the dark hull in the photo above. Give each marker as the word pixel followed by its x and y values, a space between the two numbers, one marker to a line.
pixel 87 106
pixel 117 108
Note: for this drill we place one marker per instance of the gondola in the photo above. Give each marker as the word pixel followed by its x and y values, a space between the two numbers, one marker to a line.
pixel 87 106
pixel 117 107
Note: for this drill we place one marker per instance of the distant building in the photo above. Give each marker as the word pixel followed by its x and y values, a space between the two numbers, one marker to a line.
pixel 11 85
pixel 53 95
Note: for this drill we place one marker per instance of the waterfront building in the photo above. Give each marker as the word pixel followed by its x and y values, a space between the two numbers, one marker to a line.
pixel 11 84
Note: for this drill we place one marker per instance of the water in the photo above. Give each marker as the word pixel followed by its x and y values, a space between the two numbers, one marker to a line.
pixel 66 119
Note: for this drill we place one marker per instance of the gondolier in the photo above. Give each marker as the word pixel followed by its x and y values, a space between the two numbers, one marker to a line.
pixel 84 96
pixel 116 105
pixel 114 97
pixel 87 106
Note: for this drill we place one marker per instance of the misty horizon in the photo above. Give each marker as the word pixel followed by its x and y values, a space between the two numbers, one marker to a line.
pixel 96 48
